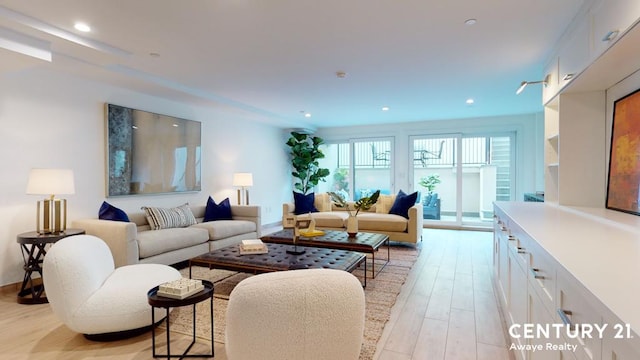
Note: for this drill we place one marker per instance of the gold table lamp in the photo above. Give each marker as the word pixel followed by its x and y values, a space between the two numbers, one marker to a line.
pixel 51 212
pixel 243 180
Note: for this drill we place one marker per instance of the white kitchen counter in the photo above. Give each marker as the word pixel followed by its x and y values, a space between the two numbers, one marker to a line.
pixel 599 247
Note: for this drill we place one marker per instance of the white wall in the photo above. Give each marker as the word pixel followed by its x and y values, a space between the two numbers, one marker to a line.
pixel 528 129
pixel 56 120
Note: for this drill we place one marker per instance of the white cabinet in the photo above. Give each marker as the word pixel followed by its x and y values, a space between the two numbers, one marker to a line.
pixel 567 355
pixel 575 310
pixel 610 19
pixel 617 342
pixel 574 149
pixel 581 121
pixel 551 147
pixel 537 247
pixel 542 276
pixel 538 314
pixel 574 57
pixel 517 308
pixel 501 260
pixel 598 25
pixel 550 89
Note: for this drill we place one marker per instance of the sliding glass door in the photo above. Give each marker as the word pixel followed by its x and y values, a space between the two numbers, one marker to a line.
pixel 435 175
pixel 461 175
pixel 358 167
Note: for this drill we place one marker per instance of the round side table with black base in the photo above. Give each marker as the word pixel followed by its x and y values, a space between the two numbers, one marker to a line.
pixel 164 302
pixel 33 246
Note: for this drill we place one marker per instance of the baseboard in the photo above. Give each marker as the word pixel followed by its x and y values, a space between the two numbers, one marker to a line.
pixel 10 289
pixel 270 228
pixel 274 224
pixel 457 227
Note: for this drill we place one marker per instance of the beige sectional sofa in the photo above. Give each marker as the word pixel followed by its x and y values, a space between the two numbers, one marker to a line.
pixel 375 220
pixel 134 242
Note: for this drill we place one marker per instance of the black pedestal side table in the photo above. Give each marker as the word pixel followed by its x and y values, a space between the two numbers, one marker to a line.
pixel 157 301
pixel 33 246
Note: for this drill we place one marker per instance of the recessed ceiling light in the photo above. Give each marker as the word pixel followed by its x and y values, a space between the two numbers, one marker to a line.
pixel 307 115
pixel 82 27
pixel 470 101
pixel 470 22
pixel 385 108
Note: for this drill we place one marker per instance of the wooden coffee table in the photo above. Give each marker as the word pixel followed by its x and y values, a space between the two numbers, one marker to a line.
pixel 332 239
pixel 277 259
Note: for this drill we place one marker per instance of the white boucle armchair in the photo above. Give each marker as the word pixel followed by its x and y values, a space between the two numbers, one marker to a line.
pixel 91 297
pixel 299 315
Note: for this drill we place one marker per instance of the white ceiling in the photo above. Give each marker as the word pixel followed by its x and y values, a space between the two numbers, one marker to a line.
pixel 272 59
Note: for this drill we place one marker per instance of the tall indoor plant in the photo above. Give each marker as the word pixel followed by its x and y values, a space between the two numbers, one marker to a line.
pixel 305 153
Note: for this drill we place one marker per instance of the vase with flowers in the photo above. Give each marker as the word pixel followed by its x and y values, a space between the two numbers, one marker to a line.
pixel 364 203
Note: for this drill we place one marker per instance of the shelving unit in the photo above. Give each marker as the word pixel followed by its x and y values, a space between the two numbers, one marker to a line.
pixel 568 239
pixel 551 157
pixel 575 149
pixel 582 152
pixel 586 63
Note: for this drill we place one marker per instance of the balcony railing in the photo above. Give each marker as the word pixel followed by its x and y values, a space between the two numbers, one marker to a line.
pixel 427 152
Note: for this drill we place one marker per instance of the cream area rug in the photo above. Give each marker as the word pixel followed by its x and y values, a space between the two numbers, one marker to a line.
pixel 380 295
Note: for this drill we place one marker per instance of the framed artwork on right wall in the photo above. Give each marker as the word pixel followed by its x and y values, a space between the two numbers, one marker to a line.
pixel 623 190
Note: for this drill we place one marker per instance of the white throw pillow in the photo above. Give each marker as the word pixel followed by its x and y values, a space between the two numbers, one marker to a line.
pixel 165 218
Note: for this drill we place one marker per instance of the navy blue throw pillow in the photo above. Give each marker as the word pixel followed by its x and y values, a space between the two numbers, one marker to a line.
pixel 214 211
pixel 304 203
pixel 402 203
pixel 110 212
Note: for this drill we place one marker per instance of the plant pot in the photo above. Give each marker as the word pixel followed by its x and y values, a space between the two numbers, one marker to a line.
pixel 352 226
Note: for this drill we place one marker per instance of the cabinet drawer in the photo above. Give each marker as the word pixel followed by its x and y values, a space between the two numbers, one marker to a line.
pixel 617 349
pixel 518 302
pixel 575 308
pixel 538 314
pixel 519 243
pixel 567 355
pixel 503 272
pixel 542 276
pixel 618 341
pixel 500 226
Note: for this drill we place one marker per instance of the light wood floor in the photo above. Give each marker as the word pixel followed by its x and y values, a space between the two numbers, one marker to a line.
pixel 446 310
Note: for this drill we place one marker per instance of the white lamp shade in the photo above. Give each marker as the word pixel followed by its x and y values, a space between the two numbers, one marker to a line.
pixel 50 182
pixel 243 179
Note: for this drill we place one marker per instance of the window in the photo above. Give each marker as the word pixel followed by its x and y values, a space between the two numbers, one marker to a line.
pixel 358 167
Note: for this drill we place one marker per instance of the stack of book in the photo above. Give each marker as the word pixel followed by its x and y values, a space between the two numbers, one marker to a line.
pixel 180 289
pixel 253 246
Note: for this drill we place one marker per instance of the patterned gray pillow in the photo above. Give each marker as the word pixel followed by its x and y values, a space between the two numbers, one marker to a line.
pixel 165 218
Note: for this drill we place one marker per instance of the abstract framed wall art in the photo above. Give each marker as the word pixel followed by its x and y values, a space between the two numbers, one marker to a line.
pixel 623 190
pixel 149 153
